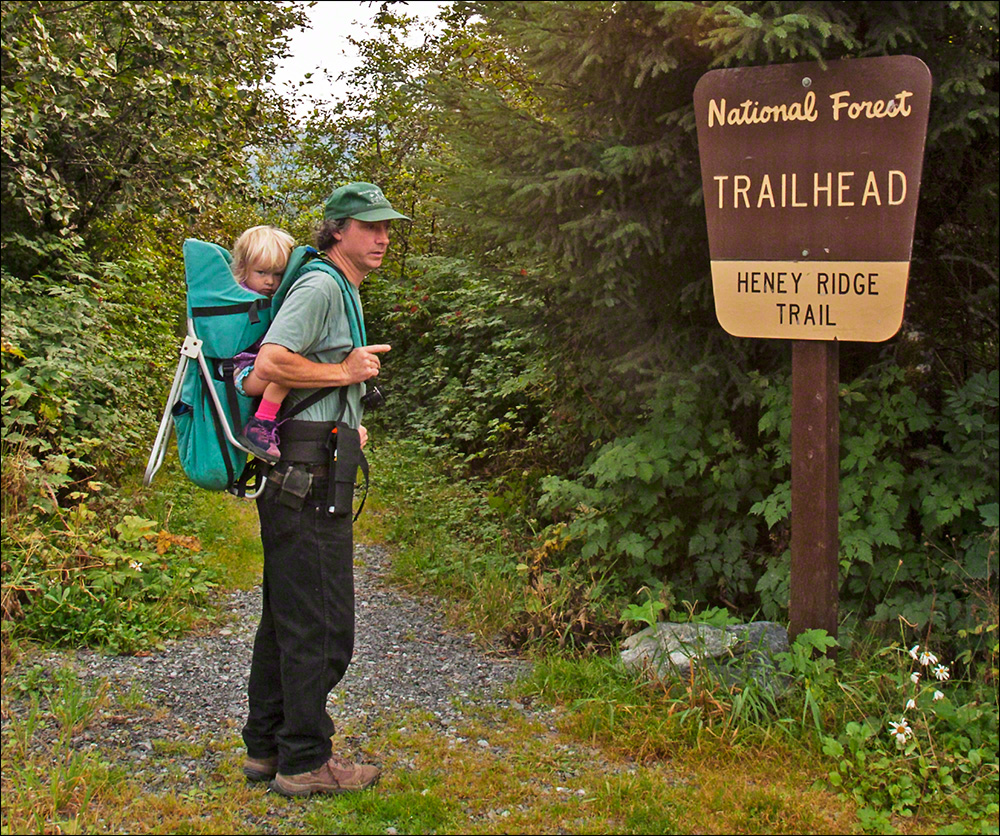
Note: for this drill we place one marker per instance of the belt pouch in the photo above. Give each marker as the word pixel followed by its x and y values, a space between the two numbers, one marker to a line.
pixel 346 459
pixel 295 488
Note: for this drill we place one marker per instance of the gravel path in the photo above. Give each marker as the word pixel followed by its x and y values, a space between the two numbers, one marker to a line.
pixel 404 656
pixel 195 689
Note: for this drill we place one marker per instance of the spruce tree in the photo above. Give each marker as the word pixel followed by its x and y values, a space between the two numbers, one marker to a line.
pixel 573 124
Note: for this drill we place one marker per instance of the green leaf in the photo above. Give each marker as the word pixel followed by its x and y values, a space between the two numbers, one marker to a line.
pixel 132 529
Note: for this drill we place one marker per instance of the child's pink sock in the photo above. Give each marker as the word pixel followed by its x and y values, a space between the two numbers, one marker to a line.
pixel 268 410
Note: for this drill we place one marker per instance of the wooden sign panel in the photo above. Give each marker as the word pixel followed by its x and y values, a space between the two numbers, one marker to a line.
pixel 811 178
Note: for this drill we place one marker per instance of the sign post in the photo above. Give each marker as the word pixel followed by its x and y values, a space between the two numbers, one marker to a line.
pixel 815 485
pixel 810 175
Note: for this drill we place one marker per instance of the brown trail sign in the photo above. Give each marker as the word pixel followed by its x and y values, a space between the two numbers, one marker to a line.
pixel 810 175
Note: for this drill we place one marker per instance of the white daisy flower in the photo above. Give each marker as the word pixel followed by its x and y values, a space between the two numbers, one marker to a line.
pixel 900 729
pixel 928 659
pixel 913 651
pixel 911 703
pixel 942 673
pixel 135 564
pixel 915 677
pixel 938 696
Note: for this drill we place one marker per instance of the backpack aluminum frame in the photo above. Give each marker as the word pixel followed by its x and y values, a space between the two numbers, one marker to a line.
pixel 191 350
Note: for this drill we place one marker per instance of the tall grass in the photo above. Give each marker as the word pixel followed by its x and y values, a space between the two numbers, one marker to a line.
pixel 445 537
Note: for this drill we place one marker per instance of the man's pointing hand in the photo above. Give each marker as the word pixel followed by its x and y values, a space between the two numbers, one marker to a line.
pixel 364 363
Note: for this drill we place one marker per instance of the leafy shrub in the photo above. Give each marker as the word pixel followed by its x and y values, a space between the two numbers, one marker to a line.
pixel 81 573
pixel 925 742
pixel 70 385
pixel 694 500
pixel 918 501
pixel 76 406
pixel 464 371
pixel 671 501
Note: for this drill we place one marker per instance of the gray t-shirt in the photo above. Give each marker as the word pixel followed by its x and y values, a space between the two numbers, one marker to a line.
pixel 313 322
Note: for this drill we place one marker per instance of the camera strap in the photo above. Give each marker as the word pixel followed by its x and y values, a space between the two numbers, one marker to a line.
pixel 346 458
pixel 310 399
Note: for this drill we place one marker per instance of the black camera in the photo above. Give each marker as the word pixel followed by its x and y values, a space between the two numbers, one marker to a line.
pixel 374 398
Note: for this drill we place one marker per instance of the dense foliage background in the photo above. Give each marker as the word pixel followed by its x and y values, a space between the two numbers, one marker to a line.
pixel 549 308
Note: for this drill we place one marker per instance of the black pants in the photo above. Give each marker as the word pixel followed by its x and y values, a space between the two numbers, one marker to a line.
pixel 305 638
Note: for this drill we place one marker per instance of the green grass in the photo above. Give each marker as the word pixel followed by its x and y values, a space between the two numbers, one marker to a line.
pixel 531 777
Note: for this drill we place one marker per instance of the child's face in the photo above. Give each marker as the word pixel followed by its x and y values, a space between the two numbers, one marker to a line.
pixel 263 280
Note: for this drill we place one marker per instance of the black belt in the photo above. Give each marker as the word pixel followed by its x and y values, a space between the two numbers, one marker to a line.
pixel 306 442
pixel 306 446
pixel 277 474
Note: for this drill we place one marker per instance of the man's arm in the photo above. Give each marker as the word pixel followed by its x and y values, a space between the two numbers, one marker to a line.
pixel 277 364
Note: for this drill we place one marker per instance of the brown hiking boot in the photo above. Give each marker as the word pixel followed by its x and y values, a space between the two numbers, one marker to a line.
pixel 260 769
pixel 336 775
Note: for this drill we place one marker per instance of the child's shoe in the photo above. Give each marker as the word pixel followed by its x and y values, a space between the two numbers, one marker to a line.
pixel 261 438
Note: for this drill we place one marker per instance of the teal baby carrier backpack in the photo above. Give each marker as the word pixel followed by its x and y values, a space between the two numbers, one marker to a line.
pixel 204 408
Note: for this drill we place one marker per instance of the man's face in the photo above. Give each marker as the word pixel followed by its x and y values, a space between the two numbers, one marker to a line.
pixel 363 244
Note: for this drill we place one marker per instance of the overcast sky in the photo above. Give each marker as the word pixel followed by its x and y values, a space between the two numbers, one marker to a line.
pixel 325 46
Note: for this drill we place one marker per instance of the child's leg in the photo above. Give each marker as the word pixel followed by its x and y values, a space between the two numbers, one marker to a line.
pixel 275 393
pixel 270 401
pixel 255 386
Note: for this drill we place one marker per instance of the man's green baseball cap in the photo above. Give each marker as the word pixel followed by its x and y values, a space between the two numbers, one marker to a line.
pixel 363 201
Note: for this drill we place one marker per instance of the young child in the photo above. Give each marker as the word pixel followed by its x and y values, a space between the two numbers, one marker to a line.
pixel 259 258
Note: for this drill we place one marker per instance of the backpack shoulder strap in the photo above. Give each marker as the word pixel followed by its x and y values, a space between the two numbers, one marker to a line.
pixel 305 260
pixel 311 260
pixel 354 316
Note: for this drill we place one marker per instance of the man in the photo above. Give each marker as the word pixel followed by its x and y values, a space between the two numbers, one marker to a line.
pixel 305 638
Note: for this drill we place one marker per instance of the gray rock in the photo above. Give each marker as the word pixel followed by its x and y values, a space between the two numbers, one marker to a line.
pixel 671 648
pixel 760 637
pixel 737 654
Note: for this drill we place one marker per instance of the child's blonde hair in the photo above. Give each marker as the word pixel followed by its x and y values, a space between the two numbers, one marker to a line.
pixel 265 247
